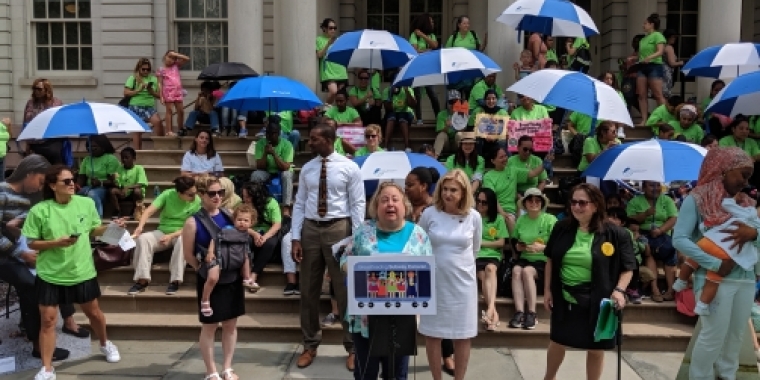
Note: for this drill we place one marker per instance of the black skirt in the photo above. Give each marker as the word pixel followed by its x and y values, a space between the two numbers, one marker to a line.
pixel 227 301
pixel 576 329
pixel 53 295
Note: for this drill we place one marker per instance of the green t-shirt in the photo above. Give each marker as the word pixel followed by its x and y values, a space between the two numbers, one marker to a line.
pixel 537 113
pixel 638 247
pixel 660 115
pixel 100 168
pixel 271 216
pixel 440 123
pixel 693 134
pixel 360 94
pixel 754 124
pixel 532 163
pixel 174 210
pixel 479 110
pixel 551 55
pixel 338 146
pixel 363 151
pixel 579 42
pixel 468 42
pixel 283 149
pixel 531 231
pixel 749 145
pixel 504 184
pixel 142 98
pixel 493 231
pixel 664 209
pixel 4 138
pixel 576 264
pixel 348 116
pixel 398 100
pixel 49 220
pixel 420 42
pixel 590 146
pixel 130 177
pixel 478 92
pixel 329 70
pixel 479 168
pixel 582 122
pixel 286 120
pixel 648 46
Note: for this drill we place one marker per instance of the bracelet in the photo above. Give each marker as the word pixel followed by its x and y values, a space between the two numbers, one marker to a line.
pixel 619 290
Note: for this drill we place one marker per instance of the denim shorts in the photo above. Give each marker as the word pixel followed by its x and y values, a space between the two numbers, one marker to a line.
pixel 651 70
pixel 401 117
pixel 143 112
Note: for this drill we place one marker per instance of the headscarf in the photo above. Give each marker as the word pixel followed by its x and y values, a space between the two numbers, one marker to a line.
pixel 709 192
pixel 32 163
pixel 230 199
pixel 688 110
pixel 490 110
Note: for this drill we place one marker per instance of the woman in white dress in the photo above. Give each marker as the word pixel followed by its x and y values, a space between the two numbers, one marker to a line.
pixel 454 228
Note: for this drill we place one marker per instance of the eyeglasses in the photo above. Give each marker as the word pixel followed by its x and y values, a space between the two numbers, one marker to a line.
pixel 363 78
pixel 68 181
pixel 370 136
pixel 212 194
pixel 579 202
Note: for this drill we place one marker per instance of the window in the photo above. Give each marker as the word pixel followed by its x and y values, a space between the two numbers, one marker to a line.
pixel 201 31
pixel 432 7
pixel 683 19
pixel 384 15
pixel 62 35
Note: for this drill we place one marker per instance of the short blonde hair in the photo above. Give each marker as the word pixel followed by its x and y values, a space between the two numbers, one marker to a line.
pixel 372 208
pixel 459 177
pixel 376 129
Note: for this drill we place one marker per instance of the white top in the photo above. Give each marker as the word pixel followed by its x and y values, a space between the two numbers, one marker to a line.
pixel 747 256
pixel 455 240
pixel 345 192
pixel 201 164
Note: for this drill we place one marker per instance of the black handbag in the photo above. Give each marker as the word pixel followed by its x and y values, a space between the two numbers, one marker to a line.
pixel 108 257
pixel 124 102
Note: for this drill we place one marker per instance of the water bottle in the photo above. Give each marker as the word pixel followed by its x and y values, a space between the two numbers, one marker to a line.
pixel 156 191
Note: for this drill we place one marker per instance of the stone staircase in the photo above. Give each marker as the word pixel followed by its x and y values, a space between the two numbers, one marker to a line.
pixel 273 317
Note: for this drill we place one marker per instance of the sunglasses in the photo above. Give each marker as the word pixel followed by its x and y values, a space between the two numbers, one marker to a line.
pixel 332 28
pixel 370 136
pixel 527 150
pixel 212 194
pixel 482 202
pixel 39 89
pixel 145 69
pixel 579 202
pixel 68 181
pixel 533 199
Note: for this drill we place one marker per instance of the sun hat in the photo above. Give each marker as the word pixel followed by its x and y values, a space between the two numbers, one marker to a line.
pixel 534 192
pixel 466 137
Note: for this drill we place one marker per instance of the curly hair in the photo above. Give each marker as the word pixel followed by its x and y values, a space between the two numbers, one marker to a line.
pixel 47 93
pixel 259 196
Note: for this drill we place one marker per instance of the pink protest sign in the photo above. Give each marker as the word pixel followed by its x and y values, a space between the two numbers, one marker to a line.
pixel 540 130
pixel 353 133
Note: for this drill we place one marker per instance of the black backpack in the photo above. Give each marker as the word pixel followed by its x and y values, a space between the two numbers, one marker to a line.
pixel 231 247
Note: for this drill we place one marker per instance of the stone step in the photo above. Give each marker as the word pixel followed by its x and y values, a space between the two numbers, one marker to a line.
pixel 270 299
pixel 167 173
pixel 229 158
pixel 121 278
pixel 270 327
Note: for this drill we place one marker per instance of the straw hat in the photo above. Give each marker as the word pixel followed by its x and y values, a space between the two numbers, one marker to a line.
pixel 466 137
pixel 534 192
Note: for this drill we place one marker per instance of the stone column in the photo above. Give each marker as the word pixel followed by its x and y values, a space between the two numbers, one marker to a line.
pixel 297 58
pixel 503 46
pixel 638 11
pixel 246 29
pixel 720 22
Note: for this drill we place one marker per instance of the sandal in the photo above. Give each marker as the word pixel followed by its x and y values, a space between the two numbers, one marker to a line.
pixel 212 376
pixel 170 134
pixel 206 309
pixel 668 296
pixel 229 374
pixel 657 297
pixel 484 318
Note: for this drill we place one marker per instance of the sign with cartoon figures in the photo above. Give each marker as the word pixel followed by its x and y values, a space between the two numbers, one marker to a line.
pixel 493 126
pixel 391 285
pixel 540 130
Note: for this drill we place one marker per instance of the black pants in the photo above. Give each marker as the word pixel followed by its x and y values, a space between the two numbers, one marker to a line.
pixel 373 115
pixel 17 274
pixel 447 348
pixel 430 90
pixel 262 255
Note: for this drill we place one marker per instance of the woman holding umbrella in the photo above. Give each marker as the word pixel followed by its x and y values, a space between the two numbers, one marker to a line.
pixel 332 75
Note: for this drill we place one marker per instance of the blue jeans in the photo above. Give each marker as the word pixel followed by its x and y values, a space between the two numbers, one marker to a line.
pixel 193 117
pixel 294 137
pixel 98 194
pixel 368 367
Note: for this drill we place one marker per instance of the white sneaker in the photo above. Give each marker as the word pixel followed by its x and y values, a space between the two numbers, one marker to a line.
pixel 44 375
pixel 111 352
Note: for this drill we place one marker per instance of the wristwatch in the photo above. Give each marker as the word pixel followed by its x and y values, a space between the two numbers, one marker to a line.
pixel 618 289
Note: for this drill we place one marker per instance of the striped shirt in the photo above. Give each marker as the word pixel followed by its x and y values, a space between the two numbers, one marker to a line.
pixel 13 205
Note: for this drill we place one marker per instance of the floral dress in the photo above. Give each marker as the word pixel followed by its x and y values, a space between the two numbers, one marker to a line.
pixel 364 243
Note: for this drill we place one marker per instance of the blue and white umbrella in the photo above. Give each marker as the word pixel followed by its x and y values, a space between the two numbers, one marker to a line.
pixel 549 17
pixel 445 66
pixel 372 49
pixel 270 93
pixel 740 96
pixel 82 119
pixel 574 91
pixel 724 61
pixel 393 166
pixel 650 160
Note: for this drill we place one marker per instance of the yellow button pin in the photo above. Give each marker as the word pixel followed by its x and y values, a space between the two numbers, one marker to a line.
pixel 608 249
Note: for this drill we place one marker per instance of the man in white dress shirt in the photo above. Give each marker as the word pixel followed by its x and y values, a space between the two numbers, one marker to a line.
pixel 329 204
